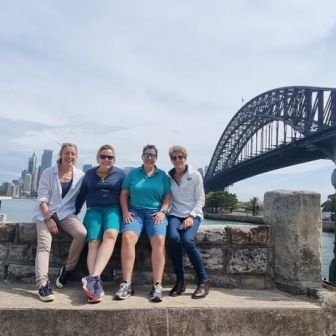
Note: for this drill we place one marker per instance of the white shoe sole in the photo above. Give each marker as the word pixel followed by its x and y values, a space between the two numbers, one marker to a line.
pixel 47 298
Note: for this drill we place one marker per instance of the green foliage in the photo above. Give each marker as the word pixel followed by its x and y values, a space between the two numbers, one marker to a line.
pixel 221 199
pixel 253 205
pixel 330 204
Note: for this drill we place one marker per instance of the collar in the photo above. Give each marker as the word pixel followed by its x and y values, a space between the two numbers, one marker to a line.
pixel 143 170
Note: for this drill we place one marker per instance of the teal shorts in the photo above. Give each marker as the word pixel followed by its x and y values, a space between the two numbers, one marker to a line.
pixel 98 220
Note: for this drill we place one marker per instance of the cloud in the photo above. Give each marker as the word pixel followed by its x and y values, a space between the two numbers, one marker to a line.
pixel 153 72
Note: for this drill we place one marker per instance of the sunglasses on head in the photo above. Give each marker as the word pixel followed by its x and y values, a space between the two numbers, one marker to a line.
pixel 106 157
pixel 150 155
pixel 174 158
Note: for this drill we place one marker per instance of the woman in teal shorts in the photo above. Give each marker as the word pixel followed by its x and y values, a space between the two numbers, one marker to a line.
pixel 101 190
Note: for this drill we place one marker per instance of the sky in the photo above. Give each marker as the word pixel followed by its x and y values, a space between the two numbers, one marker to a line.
pixel 129 73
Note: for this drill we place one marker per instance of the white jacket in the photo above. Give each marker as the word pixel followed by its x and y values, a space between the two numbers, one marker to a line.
pixel 50 191
pixel 187 197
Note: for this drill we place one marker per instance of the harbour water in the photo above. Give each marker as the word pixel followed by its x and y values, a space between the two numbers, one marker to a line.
pixel 20 210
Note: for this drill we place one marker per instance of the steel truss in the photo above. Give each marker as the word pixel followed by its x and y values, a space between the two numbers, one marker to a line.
pixel 271 120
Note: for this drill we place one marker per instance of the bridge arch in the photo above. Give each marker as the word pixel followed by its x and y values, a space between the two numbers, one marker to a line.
pixel 278 117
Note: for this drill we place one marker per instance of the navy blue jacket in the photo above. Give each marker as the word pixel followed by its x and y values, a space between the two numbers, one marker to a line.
pixel 100 193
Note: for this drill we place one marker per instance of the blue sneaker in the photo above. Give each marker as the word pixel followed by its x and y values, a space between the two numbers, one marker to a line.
pixel 46 293
pixel 89 284
pixel 98 292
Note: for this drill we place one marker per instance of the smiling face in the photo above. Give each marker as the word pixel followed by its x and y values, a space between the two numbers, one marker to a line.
pixel 106 158
pixel 68 155
pixel 149 158
pixel 178 160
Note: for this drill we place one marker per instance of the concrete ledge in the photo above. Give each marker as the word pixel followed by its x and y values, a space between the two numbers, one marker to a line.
pixel 223 312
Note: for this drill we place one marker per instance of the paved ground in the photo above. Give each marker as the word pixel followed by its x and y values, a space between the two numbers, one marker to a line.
pixel 24 296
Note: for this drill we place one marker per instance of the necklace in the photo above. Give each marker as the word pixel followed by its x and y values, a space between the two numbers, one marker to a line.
pixel 102 174
pixel 65 176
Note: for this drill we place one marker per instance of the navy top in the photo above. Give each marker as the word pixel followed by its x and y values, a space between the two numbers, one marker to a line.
pixel 100 193
pixel 65 187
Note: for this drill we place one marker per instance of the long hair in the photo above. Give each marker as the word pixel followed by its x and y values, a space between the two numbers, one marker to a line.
pixel 65 144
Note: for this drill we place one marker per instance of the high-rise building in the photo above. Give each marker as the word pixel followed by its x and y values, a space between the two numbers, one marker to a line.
pixel 86 167
pixel 46 159
pixel 32 170
pixel 27 183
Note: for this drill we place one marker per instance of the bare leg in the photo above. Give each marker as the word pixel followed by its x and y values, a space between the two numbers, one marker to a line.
pixel 92 254
pixel 129 240
pixel 105 251
pixel 158 257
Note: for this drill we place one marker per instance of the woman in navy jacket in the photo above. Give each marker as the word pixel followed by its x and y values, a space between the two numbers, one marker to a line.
pixel 101 190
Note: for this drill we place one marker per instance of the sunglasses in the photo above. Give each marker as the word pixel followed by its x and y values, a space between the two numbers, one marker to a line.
pixel 106 157
pixel 174 158
pixel 150 155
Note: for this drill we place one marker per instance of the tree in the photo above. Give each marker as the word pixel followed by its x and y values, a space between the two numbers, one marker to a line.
pixel 254 205
pixel 330 204
pixel 220 199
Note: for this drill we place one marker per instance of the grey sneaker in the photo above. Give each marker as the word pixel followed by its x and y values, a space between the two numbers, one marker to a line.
pixel 89 284
pixel 98 292
pixel 125 290
pixel 156 293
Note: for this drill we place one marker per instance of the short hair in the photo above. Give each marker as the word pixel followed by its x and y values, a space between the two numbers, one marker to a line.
pixel 108 147
pixel 149 147
pixel 65 144
pixel 178 149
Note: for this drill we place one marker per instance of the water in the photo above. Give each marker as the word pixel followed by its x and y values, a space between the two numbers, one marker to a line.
pixel 20 210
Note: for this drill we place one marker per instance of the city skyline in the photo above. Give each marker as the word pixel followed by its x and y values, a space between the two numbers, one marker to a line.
pixel 156 73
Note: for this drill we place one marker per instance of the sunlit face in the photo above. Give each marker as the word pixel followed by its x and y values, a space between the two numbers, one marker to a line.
pixel 69 156
pixel 178 160
pixel 149 157
pixel 106 158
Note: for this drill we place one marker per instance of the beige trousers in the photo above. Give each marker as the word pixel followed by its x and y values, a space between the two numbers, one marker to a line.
pixel 74 228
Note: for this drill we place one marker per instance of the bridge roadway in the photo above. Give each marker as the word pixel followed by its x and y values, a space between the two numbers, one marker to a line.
pixel 223 312
pixel 319 145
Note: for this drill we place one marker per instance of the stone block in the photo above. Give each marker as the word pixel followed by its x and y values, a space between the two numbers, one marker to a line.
pixel 27 233
pixel 225 281
pixel 3 253
pixel 7 232
pixel 255 282
pixel 26 273
pixel 295 219
pixel 248 235
pixel 18 254
pixel 246 260
pixel 20 272
pixel 212 259
pixel 212 235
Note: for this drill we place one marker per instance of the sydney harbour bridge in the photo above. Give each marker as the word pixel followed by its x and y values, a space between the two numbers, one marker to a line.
pixel 278 128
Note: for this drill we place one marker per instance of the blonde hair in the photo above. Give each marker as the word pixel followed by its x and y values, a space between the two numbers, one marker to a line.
pixel 178 149
pixel 107 147
pixel 65 144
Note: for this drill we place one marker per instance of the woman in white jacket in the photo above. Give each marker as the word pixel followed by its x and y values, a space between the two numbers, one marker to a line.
pixel 57 192
pixel 184 219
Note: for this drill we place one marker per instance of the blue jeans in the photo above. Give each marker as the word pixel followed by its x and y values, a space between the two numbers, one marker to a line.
pixel 179 239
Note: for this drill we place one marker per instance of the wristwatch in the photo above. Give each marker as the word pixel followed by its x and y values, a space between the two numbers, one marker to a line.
pixel 163 210
pixel 46 220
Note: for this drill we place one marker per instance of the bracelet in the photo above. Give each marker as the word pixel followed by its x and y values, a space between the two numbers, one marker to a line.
pixel 164 211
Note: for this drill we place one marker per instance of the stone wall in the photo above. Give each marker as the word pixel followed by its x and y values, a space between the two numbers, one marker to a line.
pixel 234 256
